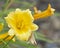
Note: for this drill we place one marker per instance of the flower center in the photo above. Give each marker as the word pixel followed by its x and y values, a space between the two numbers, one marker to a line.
pixel 20 25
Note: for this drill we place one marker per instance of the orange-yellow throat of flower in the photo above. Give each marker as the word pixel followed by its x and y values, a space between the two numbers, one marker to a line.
pixel 48 12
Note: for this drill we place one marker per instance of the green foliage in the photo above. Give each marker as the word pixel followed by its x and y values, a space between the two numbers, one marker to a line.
pixel 42 37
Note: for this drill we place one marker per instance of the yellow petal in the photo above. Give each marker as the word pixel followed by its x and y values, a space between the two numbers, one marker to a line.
pixel 34 27
pixel 1 26
pixel 24 35
pixel 36 11
pixel 2 36
pixel 10 20
pixel 11 32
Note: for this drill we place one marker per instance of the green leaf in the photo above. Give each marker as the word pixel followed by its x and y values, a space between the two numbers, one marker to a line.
pixel 4 43
pixel 25 44
pixel 42 37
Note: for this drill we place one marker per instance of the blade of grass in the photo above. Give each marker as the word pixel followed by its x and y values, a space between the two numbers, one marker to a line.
pixel 39 36
pixel 8 42
pixel 5 43
pixel 25 44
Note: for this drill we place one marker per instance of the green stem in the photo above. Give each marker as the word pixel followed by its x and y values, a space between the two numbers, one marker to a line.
pixel 5 43
pixel 8 42
pixel 8 4
pixel 5 38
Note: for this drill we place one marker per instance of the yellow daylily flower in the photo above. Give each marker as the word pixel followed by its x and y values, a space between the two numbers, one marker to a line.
pixel 1 26
pixel 48 12
pixel 21 23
